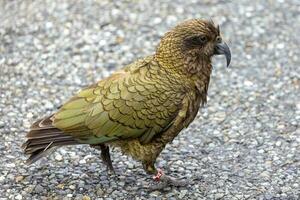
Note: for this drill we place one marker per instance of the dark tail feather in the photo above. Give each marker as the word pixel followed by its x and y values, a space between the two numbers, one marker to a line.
pixel 43 138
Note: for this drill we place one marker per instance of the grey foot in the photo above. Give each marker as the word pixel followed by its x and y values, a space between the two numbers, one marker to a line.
pixel 167 181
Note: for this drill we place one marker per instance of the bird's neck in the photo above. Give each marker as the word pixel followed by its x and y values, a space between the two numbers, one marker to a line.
pixel 193 68
pixel 200 67
pixel 169 55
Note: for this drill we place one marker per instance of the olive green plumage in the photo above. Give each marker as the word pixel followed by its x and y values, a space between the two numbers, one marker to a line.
pixel 137 102
pixel 141 107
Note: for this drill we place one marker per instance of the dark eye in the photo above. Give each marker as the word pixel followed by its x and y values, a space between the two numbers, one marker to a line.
pixel 197 40
pixel 203 38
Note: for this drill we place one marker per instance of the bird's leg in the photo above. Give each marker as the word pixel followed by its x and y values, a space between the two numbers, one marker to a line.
pixel 162 179
pixel 105 156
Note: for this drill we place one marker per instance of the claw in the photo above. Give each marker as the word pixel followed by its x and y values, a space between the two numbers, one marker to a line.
pixel 158 175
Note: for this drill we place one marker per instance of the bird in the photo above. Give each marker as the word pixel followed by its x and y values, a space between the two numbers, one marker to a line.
pixel 141 107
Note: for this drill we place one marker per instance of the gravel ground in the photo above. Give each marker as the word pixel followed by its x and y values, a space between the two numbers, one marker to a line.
pixel 244 144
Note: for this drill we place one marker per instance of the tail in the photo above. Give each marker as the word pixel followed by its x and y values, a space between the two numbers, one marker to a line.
pixel 43 138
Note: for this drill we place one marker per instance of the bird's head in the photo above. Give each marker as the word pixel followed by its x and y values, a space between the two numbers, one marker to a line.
pixel 191 45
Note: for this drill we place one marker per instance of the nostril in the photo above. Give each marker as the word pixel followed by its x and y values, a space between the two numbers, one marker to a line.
pixel 219 39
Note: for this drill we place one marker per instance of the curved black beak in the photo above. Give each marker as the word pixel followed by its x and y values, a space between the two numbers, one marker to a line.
pixel 223 49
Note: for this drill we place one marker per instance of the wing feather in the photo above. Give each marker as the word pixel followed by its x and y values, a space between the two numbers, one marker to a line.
pixel 128 104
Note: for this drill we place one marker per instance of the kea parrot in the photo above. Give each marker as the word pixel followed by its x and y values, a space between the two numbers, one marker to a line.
pixel 141 107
